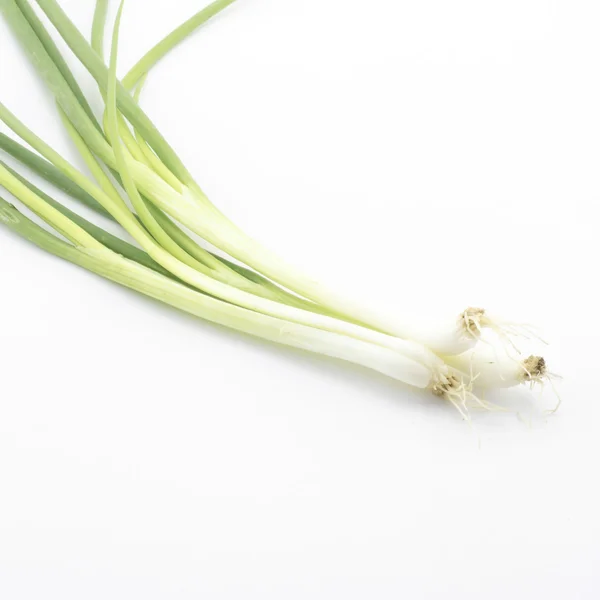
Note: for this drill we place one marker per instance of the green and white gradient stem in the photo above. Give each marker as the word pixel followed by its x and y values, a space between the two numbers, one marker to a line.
pixel 146 281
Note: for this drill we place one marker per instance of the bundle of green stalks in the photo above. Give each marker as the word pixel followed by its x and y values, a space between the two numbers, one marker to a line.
pixel 138 181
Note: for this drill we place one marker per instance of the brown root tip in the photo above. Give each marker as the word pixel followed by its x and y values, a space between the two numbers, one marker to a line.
pixel 535 368
pixel 471 320
pixel 438 390
pixel 474 312
pixel 449 383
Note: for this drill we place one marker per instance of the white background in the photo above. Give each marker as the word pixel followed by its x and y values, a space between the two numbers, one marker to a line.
pixel 427 155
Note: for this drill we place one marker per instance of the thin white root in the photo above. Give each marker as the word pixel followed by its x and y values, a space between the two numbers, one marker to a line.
pixel 535 372
pixel 484 369
pixel 459 392
pixel 550 377
pixel 474 320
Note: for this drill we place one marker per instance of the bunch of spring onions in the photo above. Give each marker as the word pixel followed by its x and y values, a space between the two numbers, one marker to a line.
pixel 137 180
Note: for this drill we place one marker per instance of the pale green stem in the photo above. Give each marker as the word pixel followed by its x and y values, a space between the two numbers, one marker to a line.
pixel 139 204
pixel 174 38
pixel 112 242
pixel 97 39
pixel 91 162
pixel 134 276
pixel 94 64
pixel 152 218
pixel 53 76
pixel 129 274
pixel 57 178
pixel 54 53
pixel 151 159
pixel 50 173
pixel 62 224
pixel 205 219
pixel 188 274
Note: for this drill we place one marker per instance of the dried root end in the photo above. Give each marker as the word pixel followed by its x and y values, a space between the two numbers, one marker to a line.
pixel 459 393
pixel 473 321
pixel 470 322
pixel 534 369
pixel 450 388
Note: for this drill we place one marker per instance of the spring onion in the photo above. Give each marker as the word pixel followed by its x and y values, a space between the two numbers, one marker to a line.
pixel 138 181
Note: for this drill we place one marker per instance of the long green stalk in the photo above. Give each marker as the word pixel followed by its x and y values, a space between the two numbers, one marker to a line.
pixel 171 236
pixel 145 215
pixel 146 281
pixel 54 53
pixel 98 24
pixel 67 100
pixel 50 173
pixel 136 78
pixel 150 157
pixel 94 64
pixel 165 259
pixel 53 175
pixel 266 288
pixel 112 242
pixel 156 53
pixel 54 78
pixel 191 207
pixel 194 278
pixel 47 212
pixel 143 153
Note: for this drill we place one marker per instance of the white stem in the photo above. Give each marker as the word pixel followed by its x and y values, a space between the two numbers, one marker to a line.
pixel 497 369
pixel 135 276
